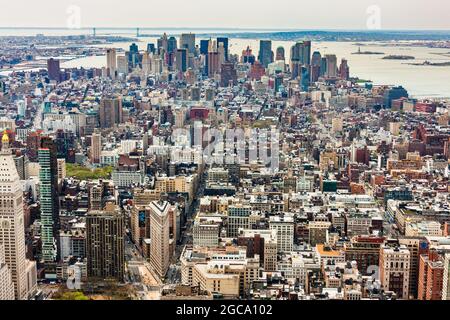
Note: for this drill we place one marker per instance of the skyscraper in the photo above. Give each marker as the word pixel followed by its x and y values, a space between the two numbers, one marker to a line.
pixel 446 278
pixel 316 64
pixel 265 52
pixel 54 69
pixel 6 284
pixel 48 198
pixel 213 59
pixel 12 230
pixel 96 147
pixel 187 41
pixel 171 45
pixel 228 75
pixel 110 112
pixel 431 274
pixel 280 54
pixel 331 71
pixel 105 232
pixel 181 59
pixel 159 234
pixel 111 59
pixel 344 70
pixel 394 270
pixel 204 46
pixel 162 44
pixel 224 41
pixel 301 52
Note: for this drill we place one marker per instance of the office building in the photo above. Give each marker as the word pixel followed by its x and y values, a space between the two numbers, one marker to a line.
pixel 110 112
pixel 265 52
pixel 394 270
pixel 49 202
pixel 6 284
pixel 160 237
pixel 12 229
pixel 105 231
pixel 224 41
pixel 187 41
pixel 96 147
pixel 54 69
pixel 111 65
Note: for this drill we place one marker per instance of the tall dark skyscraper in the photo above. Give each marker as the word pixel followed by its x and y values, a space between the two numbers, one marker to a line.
pixel 225 45
pixel 344 70
pixel 134 48
pixel 265 52
pixel 280 54
pixel 49 202
pixel 171 45
pixel 105 232
pixel 228 74
pixel 181 59
pixel 301 52
pixel 110 112
pixel 151 48
pixel 54 69
pixel 204 44
pixel 316 63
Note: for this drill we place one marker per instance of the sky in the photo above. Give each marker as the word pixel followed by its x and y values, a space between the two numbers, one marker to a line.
pixel 252 14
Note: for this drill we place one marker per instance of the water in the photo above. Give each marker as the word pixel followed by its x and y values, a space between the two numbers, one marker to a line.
pixel 420 81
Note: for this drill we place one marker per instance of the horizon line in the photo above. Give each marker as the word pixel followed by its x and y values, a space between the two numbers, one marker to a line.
pixel 226 28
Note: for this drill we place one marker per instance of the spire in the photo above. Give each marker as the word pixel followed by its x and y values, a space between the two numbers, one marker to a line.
pixel 5 141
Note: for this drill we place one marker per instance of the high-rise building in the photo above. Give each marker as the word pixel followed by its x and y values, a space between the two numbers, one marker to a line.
pixel 160 237
pixel 431 275
pixel 110 112
pixel 224 41
pixel 22 162
pixel 238 218
pixel 284 228
pixel 280 54
pixel 162 44
pixel 187 41
pixel 105 232
pixel 151 48
pixel 394 270
pixel 171 45
pixel 12 229
pixel 228 75
pixel 54 69
pixel 446 278
pixel 181 58
pixel 48 199
pixel 331 71
pixel 213 63
pixel 6 284
pixel 344 70
pixel 301 52
pixel 265 52
pixel 111 59
pixel 122 65
pixel 96 147
pixel 417 246
pixel 316 63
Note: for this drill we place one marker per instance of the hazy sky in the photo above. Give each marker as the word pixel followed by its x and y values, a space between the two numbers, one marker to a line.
pixel 279 14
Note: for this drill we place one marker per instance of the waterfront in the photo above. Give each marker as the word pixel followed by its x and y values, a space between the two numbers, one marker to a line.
pixel 421 81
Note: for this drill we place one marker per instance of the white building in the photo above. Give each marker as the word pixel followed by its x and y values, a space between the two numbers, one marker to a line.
pixel 6 284
pixel 12 230
pixel 284 227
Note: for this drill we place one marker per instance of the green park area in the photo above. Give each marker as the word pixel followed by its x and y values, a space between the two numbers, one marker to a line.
pixel 83 173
